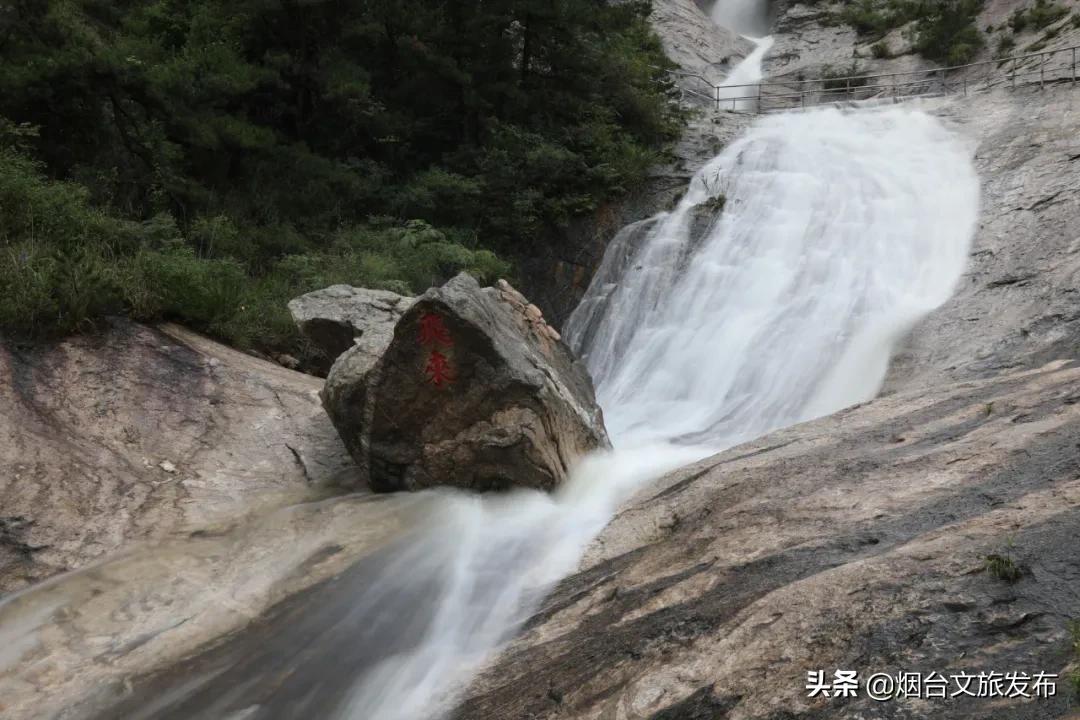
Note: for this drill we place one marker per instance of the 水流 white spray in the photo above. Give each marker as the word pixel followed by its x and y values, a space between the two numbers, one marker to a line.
pixel 703 327
pixel 839 231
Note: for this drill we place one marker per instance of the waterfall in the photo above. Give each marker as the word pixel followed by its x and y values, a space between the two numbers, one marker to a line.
pixel 838 232
pixel 745 17
pixel 774 292
pixel 705 327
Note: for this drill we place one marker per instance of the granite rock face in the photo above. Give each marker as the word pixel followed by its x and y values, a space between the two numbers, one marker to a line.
pixel 342 317
pixel 695 43
pixel 138 433
pixel 858 541
pixel 476 390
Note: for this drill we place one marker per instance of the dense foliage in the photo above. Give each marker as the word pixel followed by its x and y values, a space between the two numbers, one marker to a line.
pixel 203 159
pixel 943 30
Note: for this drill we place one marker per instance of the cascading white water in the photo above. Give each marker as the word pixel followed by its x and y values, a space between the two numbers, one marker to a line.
pixel 702 327
pixel 745 17
pixel 840 231
pixel 493 558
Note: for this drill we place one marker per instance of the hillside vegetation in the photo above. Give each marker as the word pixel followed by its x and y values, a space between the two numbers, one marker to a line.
pixel 206 161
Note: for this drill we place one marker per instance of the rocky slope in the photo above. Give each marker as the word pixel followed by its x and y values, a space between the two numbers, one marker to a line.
pixel 1018 305
pixel 857 541
pixel 860 541
pixel 140 433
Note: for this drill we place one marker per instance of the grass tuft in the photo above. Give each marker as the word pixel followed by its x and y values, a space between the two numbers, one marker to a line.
pixel 1004 568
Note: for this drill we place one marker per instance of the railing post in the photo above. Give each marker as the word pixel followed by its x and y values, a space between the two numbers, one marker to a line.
pixel 1014 72
pixel 717 98
pixel 965 86
pixel 941 75
pixel 1042 72
pixel 1074 66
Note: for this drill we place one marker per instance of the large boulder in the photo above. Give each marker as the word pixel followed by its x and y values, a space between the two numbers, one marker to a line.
pixel 341 317
pixel 475 390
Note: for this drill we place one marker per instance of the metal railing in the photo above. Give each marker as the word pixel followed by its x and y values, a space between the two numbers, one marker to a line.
pixel 1042 68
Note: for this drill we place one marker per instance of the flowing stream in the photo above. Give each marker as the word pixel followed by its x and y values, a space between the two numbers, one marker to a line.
pixel 703 329
pixel 773 293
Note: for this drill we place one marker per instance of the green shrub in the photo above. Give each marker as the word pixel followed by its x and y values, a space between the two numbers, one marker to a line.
pixel 1004 568
pixel 946 31
pixel 1018 21
pixel 65 264
pixel 56 251
pixel 1005 45
pixel 881 50
pixel 1045 13
pixel 1075 20
pixel 876 17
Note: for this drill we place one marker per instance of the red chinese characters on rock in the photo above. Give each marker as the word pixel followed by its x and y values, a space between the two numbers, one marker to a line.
pixel 435 338
pixel 433 332
pixel 438 370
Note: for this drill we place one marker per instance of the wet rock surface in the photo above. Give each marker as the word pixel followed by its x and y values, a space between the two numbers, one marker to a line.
pixel 476 390
pixel 1018 304
pixel 138 433
pixel 695 43
pixel 857 541
pixel 860 541
pixel 342 317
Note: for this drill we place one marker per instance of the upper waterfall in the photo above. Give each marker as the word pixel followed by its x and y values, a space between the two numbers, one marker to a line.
pixel 839 232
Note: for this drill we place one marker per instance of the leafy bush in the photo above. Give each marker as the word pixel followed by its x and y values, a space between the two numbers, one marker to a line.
pixel 946 32
pixel 1005 45
pixel 202 160
pixel 1045 13
pixel 55 251
pixel 881 50
pixel 65 264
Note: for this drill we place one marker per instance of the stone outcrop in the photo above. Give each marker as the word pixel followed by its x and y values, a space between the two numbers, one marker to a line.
pixel 694 42
pixel 138 433
pixel 1018 304
pixel 341 317
pixel 71 649
pixel 858 541
pixel 475 390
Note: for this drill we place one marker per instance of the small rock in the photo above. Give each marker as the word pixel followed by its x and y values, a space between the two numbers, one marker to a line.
pixel 288 361
pixel 340 317
pixel 533 313
pixel 167 466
